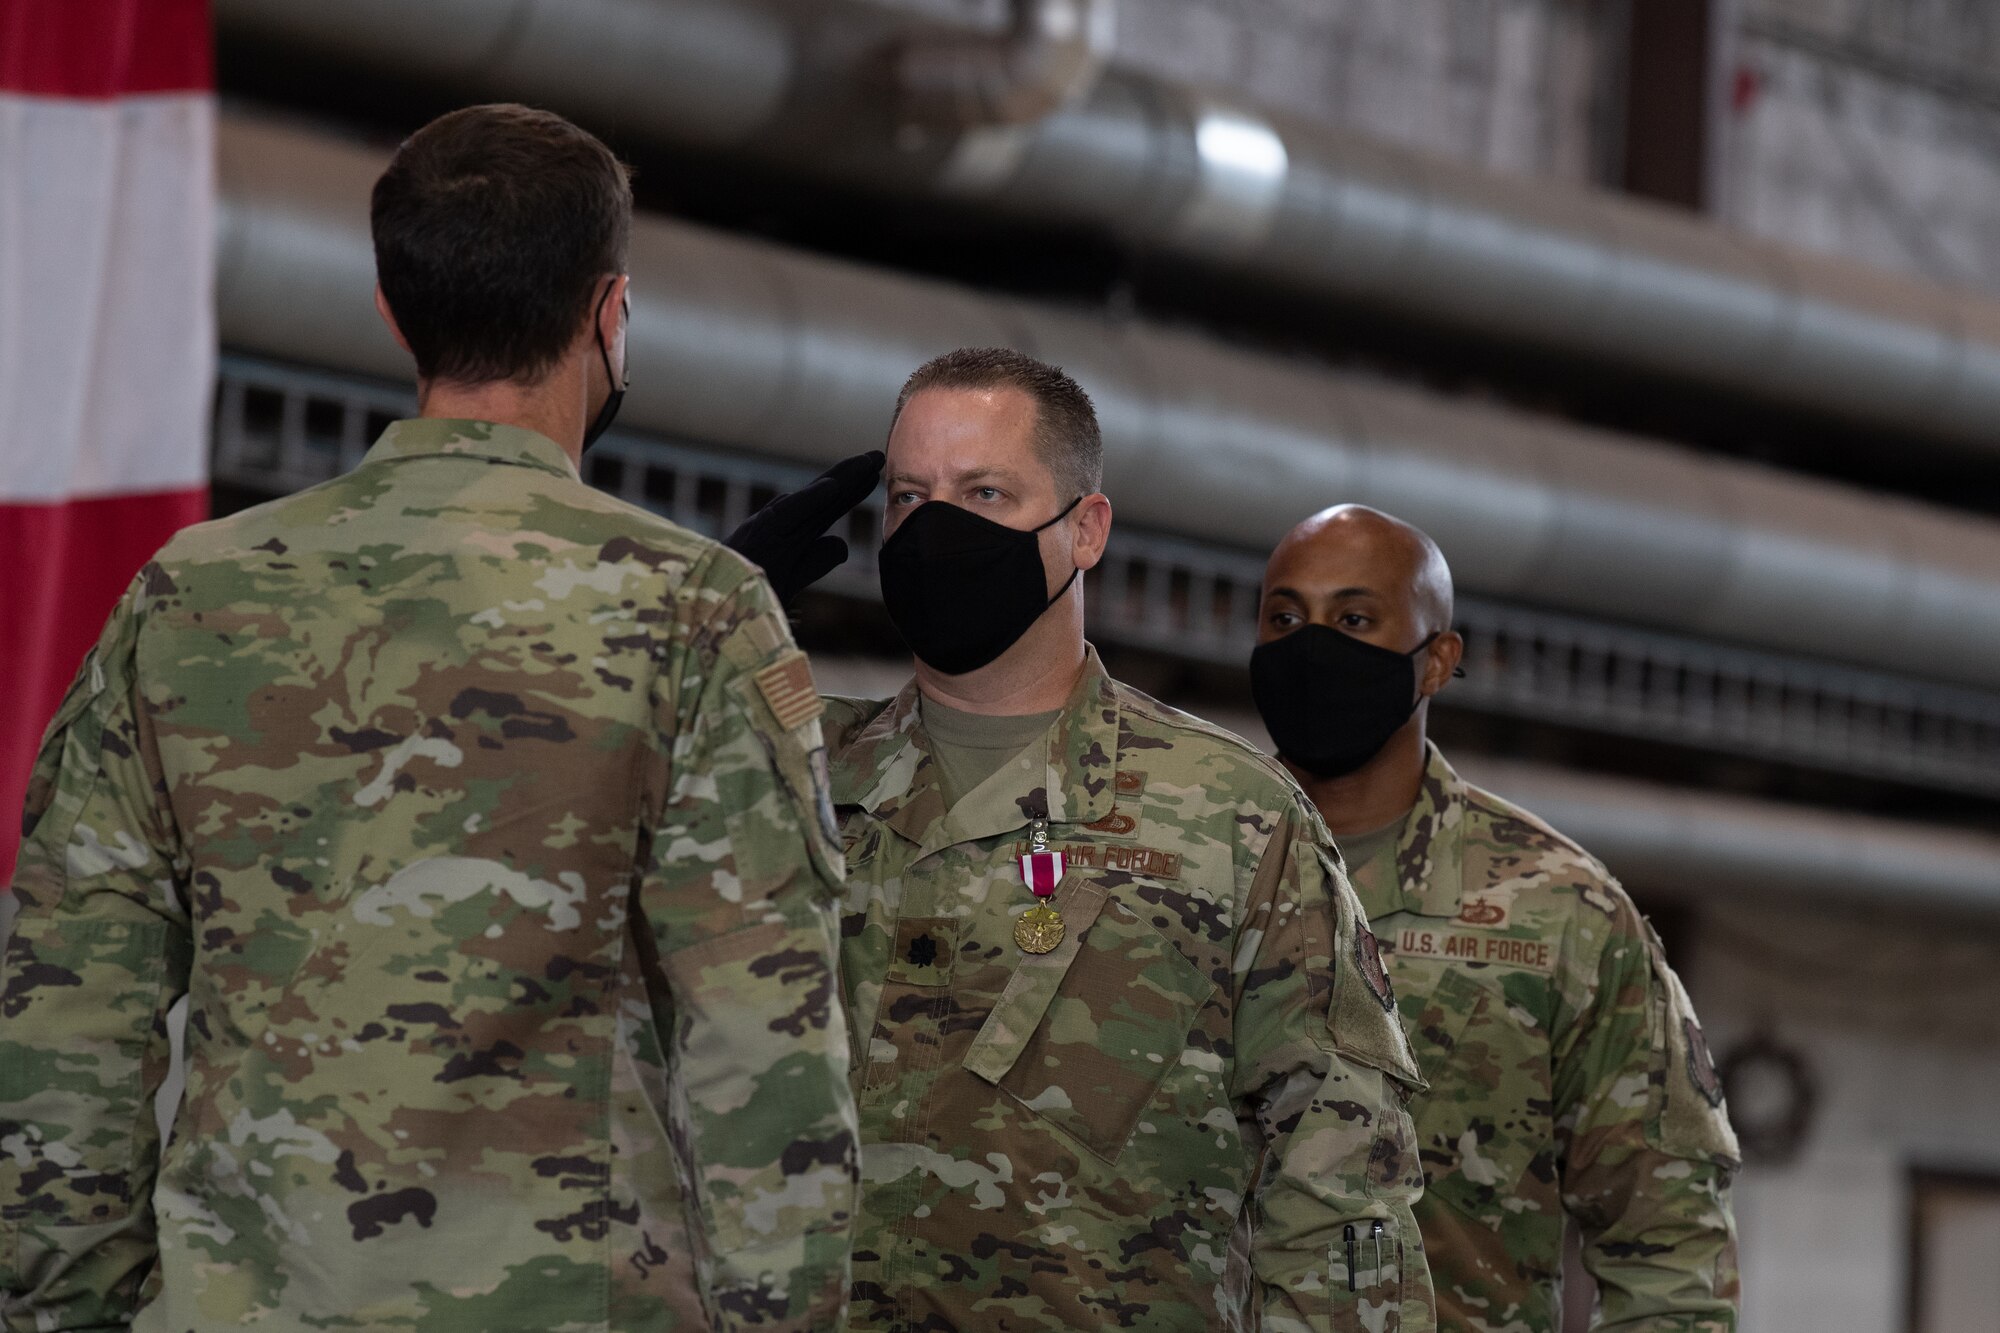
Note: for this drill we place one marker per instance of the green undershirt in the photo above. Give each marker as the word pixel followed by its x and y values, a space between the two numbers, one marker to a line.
pixel 1361 849
pixel 969 748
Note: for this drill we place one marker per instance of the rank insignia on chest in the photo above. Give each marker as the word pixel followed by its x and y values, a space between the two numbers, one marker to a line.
pixel 1040 928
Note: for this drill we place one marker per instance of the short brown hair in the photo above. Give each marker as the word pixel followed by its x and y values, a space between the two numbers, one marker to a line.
pixel 494 228
pixel 1066 433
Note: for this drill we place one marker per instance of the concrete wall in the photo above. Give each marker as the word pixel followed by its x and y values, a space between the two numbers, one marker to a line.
pixel 1864 128
pixel 1869 129
pixel 1899 1020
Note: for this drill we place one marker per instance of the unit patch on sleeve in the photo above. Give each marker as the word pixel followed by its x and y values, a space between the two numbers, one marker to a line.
pixel 829 823
pixel 1368 957
pixel 1701 1065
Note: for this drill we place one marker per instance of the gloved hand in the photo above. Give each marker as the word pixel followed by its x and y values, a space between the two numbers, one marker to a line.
pixel 788 537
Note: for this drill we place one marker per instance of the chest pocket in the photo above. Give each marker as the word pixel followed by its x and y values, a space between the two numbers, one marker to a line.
pixel 1486 1117
pixel 1084 1036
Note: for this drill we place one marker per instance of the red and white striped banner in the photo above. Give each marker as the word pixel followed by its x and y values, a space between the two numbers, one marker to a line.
pixel 107 328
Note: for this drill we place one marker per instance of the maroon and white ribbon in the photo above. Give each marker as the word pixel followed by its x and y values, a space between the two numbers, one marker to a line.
pixel 1042 871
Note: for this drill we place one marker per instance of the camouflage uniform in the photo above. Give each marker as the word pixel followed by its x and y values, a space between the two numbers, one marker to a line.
pixel 1067 1140
pixel 478 815
pixel 1567 1076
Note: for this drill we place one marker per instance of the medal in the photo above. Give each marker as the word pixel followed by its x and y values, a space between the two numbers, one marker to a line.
pixel 1040 928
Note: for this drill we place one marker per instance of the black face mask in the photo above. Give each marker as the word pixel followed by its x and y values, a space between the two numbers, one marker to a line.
pixel 616 398
pixel 963 589
pixel 1331 701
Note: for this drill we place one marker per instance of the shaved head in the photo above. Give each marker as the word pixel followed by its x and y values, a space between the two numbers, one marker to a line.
pixel 1351 554
pixel 1354 571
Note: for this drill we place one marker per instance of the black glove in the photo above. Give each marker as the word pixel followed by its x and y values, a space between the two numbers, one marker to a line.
pixel 788 537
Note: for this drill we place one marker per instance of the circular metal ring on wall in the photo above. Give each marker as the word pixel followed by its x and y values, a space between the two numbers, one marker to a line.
pixel 1772 1098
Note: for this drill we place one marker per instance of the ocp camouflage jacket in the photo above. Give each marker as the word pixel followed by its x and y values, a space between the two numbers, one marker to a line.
pixel 1568 1077
pixel 1068 1140
pixel 476 814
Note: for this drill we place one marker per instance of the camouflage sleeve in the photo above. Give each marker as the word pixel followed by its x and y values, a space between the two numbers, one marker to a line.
pixel 1325 1067
pixel 99 954
pixel 740 894
pixel 1647 1152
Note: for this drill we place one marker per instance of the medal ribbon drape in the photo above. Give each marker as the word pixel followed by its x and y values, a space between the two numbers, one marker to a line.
pixel 1040 928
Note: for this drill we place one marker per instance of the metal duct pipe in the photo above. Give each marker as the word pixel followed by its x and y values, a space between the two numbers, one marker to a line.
pixel 1677 843
pixel 742 343
pixel 1050 58
pixel 708 74
pixel 1575 271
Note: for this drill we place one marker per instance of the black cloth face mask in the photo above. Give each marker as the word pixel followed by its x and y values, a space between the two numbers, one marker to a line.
pixel 1330 700
pixel 616 398
pixel 963 589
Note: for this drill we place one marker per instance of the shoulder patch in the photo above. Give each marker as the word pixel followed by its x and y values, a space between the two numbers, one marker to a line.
pixel 1368 957
pixel 822 777
pixel 1700 1064
pixel 787 686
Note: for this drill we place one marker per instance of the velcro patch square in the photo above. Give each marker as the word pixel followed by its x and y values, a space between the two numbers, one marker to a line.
pixel 787 686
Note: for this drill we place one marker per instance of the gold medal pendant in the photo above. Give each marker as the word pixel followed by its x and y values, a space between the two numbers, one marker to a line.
pixel 1039 929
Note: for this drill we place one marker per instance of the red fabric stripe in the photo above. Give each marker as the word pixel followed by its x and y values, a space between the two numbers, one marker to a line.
pixel 105 48
pixel 65 566
pixel 1042 871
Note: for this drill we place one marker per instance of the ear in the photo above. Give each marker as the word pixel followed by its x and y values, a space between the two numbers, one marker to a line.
pixel 1093 530
pixel 1440 660
pixel 610 311
pixel 389 318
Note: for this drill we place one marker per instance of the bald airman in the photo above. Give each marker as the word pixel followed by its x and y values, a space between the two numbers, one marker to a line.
pixel 1568 1079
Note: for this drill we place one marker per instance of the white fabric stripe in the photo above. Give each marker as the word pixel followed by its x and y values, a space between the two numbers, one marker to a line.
pixel 107 306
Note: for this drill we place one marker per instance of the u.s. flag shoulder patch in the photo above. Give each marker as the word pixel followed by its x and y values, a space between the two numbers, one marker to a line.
pixel 787 686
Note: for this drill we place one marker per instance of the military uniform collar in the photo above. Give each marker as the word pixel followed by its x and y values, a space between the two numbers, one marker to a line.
pixel 488 440
pixel 1430 856
pixel 887 769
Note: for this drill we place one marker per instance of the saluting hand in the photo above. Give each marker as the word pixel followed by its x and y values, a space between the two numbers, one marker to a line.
pixel 789 538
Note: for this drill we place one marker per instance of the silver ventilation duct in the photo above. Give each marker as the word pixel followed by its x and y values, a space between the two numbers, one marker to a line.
pixel 740 343
pixel 1050 57
pixel 1675 843
pixel 805 84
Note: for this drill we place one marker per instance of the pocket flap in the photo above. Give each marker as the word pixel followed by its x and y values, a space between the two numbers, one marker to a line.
pixel 1486 1116
pixel 1441 1023
pixel 1032 988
